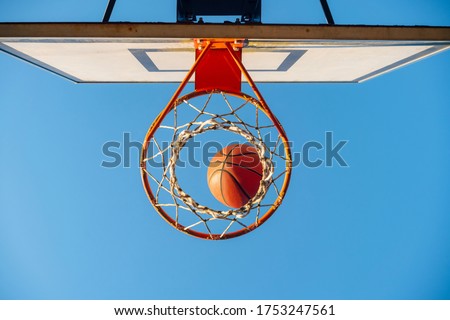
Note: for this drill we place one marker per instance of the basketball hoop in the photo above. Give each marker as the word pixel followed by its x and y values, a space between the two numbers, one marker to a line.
pixel 214 109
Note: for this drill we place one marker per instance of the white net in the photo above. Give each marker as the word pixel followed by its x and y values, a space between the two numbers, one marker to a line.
pixel 176 182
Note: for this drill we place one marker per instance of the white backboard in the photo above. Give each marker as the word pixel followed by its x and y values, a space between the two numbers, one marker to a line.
pixel 158 59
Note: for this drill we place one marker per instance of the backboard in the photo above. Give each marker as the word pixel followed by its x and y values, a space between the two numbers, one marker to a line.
pixel 124 52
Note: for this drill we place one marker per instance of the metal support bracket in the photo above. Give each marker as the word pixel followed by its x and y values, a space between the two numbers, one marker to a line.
pixel 109 10
pixel 248 10
pixel 327 11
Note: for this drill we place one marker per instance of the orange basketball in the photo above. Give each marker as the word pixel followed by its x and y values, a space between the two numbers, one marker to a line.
pixel 234 174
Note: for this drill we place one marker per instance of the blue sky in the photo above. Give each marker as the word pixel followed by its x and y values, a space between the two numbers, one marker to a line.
pixel 71 229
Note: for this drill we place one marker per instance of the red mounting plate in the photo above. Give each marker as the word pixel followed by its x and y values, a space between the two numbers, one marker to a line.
pixel 218 69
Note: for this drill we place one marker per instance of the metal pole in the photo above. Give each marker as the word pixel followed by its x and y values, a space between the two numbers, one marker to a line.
pixel 109 10
pixel 327 11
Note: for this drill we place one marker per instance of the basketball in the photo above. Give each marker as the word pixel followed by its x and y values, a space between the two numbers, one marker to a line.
pixel 234 175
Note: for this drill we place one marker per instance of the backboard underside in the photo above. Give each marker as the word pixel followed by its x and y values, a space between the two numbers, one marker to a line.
pixel 159 59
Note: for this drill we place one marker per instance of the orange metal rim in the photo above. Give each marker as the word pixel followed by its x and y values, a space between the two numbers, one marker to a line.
pixel 167 217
